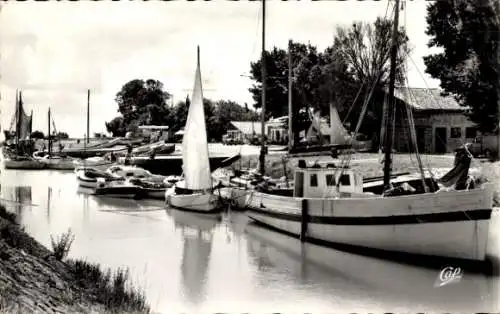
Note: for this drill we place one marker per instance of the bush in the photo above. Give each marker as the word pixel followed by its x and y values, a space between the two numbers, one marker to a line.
pixel 62 245
pixel 7 215
pixel 111 290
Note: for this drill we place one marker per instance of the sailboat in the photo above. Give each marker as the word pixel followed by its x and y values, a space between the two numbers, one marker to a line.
pixel 447 217
pixel 17 156
pixel 195 191
pixel 50 160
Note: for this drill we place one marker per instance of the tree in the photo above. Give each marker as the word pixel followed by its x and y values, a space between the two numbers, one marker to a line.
pixel 366 50
pixel 116 127
pixel 467 30
pixel 365 53
pixel 227 111
pixel 303 58
pixel 62 135
pixel 37 135
pixel 140 103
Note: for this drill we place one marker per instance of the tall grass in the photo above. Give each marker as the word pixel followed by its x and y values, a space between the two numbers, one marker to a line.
pixel 110 289
pixel 7 215
pixel 62 244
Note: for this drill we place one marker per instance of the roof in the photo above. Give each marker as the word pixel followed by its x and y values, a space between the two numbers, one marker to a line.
pixel 427 99
pixel 248 127
pixel 154 127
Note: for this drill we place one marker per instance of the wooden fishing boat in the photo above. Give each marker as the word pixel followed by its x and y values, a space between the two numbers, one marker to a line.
pixel 447 217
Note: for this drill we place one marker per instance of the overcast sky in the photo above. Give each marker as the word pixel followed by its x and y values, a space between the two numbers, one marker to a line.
pixel 54 51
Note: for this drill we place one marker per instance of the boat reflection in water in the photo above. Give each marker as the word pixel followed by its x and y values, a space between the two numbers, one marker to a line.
pixel 377 284
pixel 197 235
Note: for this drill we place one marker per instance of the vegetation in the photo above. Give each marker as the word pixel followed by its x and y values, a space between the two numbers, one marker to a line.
pixel 37 135
pixel 145 103
pixel 79 281
pixel 111 288
pixel 7 215
pixel 61 245
pixel 467 30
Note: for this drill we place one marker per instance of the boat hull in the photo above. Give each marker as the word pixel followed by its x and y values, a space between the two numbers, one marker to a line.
pixel 118 191
pixel 23 164
pixel 153 193
pixel 236 196
pixel 59 164
pixel 196 202
pixel 453 224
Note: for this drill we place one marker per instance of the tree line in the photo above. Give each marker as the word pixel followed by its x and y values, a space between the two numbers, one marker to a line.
pixel 144 102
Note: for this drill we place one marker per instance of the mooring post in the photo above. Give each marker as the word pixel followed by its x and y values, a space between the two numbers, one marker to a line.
pixel 304 220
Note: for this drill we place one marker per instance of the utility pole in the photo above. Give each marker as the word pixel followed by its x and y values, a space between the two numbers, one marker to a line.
pixel 262 158
pixel 290 105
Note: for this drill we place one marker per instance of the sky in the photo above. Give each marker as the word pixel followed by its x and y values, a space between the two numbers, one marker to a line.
pixel 55 51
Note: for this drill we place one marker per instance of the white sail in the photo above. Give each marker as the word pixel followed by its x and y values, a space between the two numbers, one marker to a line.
pixel 195 160
pixel 339 134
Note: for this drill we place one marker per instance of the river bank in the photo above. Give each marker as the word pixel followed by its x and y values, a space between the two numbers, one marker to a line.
pixel 34 279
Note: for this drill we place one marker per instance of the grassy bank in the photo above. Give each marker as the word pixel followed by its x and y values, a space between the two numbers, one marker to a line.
pixel 35 279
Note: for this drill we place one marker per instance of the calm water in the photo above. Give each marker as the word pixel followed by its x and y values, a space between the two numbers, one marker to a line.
pixel 197 264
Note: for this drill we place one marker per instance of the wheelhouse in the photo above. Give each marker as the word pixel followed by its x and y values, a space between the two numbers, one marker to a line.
pixel 326 181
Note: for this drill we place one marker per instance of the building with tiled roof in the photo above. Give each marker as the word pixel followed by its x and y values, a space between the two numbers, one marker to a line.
pixel 441 124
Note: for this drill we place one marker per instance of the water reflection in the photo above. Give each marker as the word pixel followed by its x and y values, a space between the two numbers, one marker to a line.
pixel 191 263
pixel 377 282
pixel 17 199
pixel 49 197
pixel 197 235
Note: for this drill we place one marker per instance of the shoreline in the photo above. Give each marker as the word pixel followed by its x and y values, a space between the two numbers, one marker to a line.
pixel 36 279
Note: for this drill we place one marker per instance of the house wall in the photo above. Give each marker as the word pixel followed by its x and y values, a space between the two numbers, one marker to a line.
pixel 428 126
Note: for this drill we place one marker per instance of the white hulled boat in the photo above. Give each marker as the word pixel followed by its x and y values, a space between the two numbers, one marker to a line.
pixel 195 191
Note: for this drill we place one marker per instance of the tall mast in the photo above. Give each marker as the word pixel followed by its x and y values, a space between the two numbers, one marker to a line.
pixel 88 115
pixel 497 9
pixel 392 102
pixel 17 118
pixel 290 105
pixel 48 135
pixel 262 158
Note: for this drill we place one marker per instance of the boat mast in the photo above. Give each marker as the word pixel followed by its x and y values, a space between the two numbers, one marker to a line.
pixel 48 135
pixel 88 115
pixel 392 102
pixel 262 158
pixel 497 7
pixel 17 121
pixel 290 106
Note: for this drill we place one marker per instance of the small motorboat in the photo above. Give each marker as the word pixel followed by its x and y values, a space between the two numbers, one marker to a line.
pixel 88 177
pixel 151 189
pixel 118 189
pixel 99 163
pixel 133 172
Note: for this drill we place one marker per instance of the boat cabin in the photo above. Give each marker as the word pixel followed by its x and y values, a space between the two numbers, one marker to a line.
pixel 129 172
pixel 326 181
